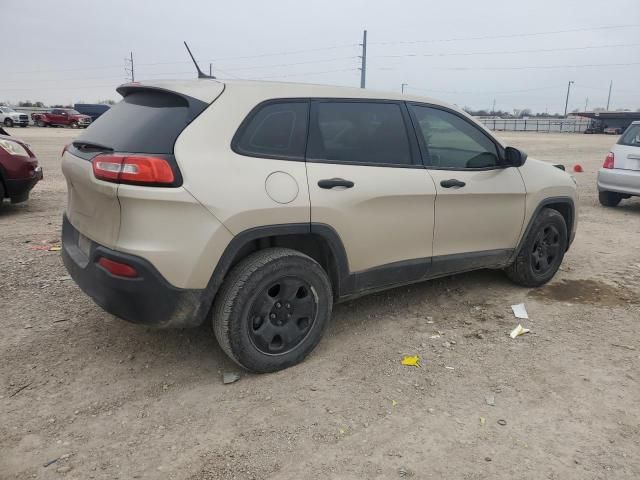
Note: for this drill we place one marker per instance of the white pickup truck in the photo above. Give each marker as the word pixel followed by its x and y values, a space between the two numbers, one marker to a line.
pixel 10 118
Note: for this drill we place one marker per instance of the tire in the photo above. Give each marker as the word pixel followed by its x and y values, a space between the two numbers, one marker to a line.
pixel 8 122
pixel 609 199
pixel 41 123
pixel 23 126
pixel 73 124
pixel 272 309
pixel 542 251
pixel 2 192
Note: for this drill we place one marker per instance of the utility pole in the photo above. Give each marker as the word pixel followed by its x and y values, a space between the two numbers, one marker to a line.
pixel 609 97
pixel 363 68
pixel 402 86
pixel 586 104
pixel 566 103
pixel 211 69
pixel 493 108
pixel 128 68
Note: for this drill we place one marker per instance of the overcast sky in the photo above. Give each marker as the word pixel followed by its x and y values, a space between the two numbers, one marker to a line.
pixel 66 51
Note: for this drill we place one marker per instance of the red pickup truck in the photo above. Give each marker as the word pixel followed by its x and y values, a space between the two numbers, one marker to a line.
pixel 61 116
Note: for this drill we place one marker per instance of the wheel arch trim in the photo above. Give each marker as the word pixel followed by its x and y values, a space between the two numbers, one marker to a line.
pixel 563 200
pixel 246 237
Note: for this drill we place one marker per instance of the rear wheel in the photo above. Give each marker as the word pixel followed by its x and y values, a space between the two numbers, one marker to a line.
pixel 272 309
pixel 609 199
pixel 41 123
pixel 8 122
pixel 542 251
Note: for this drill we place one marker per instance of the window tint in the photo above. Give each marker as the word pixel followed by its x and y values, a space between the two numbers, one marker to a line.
pixel 145 121
pixel 631 137
pixel 276 130
pixel 359 132
pixel 453 142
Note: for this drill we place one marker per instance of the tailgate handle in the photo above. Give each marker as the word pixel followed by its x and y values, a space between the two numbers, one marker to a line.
pixel 453 183
pixel 329 183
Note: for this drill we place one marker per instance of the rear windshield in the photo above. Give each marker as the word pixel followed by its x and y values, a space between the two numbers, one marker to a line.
pixel 631 137
pixel 145 121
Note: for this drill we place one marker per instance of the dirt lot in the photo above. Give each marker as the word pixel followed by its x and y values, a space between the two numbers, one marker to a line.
pixel 110 400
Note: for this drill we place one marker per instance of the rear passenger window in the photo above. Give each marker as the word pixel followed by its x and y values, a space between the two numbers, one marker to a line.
pixel 275 130
pixel 359 132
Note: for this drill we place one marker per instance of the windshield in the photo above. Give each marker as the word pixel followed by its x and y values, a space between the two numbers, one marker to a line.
pixel 73 112
pixel 7 110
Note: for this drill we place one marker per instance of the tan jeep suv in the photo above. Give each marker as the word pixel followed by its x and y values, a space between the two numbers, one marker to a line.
pixel 258 205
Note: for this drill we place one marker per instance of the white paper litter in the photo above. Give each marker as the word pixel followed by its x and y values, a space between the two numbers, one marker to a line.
pixel 520 311
pixel 519 330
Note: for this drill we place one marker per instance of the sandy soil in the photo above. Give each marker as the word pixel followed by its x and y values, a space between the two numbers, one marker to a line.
pixel 110 400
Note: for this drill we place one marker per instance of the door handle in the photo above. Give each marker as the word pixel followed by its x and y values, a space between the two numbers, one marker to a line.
pixel 329 183
pixel 452 183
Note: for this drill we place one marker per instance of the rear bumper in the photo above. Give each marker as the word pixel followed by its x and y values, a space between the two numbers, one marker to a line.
pixel 147 299
pixel 619 181
pixel 18 190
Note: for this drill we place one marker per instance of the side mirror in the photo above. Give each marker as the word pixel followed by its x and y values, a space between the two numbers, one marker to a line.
pixel 514 157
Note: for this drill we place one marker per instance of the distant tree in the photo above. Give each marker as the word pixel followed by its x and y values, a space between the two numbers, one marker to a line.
pixel 525 112
pixel 28 103
pixel 61 106
pixel 107 102
pixel 39 105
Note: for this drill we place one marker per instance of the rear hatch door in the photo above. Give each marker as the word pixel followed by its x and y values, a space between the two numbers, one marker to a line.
pixel 627 150
pixel 148 120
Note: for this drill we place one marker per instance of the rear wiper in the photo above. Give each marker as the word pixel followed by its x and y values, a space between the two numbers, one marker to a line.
pixel 82 145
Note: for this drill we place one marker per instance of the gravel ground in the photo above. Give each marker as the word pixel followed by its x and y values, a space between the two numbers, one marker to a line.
pixel 104 399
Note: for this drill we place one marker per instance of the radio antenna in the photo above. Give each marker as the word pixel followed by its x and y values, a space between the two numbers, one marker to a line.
pixel 201 74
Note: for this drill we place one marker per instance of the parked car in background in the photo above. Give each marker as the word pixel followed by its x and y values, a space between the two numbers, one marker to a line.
pixel 613 131
pixel 257 205
pixel 66 117
pixel 94 110
pixel 619 176
pixel 19 170
pixel 10 118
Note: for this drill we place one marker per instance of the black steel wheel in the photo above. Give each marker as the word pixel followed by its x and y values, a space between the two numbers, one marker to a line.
pixel 8 122
pixel 545 249
pixel 282 315
pixel 542 250
pixel 272 309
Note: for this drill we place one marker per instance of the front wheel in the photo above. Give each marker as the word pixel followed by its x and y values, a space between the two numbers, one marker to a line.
pixel 73 124
pixel 542 251
pixel 609 199
pixel 272 309
pixel 8 122
pixel 41 123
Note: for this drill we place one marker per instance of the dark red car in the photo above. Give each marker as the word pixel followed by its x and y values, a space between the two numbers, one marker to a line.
pixel 19 170
pixel 61 117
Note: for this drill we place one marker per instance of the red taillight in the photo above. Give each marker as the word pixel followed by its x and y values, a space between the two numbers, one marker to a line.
pixel 118 269
pixel 609 160
pixel 136 169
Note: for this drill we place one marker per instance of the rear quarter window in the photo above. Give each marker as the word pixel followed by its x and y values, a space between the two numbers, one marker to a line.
pixel 146 121
pixel 631 137
pixel 274 130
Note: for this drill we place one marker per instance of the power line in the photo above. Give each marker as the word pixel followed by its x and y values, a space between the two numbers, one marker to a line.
pixel 506 52
pixel 531 67
pixel 253 67
pixel 308 73
pixel 513 35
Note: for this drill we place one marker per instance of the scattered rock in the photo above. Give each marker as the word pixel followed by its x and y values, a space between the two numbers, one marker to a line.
pixel 502 422
pixel 487 459
pixel 65 469
pixel 230 377
pixel 490 399
pixel 405 472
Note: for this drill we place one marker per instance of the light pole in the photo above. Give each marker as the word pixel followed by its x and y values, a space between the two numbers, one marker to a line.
pixel 566 103
pixel 402 86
